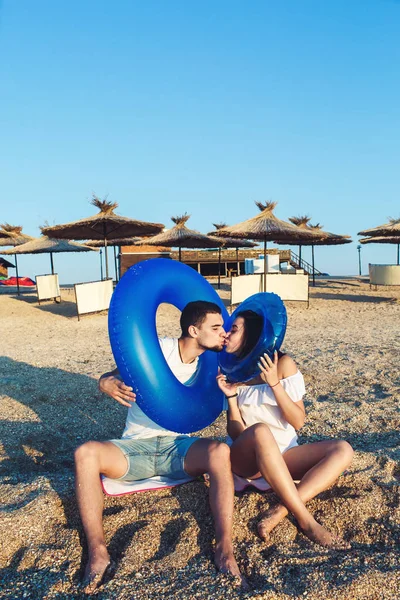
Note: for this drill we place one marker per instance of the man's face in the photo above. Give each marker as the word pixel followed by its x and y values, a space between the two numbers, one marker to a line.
pixel 210 334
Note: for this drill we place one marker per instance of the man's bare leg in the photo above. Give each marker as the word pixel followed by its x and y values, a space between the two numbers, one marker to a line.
pixel 212 457
pixel 92 459
pixel 256 451
pixel 317 466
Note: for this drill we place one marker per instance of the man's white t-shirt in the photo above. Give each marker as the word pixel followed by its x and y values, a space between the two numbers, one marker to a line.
pixel 138 425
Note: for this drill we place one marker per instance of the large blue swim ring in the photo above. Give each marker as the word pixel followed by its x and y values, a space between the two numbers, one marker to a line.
pixel 272 309
pixel 183 408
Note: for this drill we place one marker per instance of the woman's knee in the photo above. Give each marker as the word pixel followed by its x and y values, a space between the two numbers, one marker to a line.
pixel 260 433
pixel 343 449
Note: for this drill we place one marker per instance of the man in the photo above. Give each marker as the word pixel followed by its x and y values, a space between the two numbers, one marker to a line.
pixel 177 455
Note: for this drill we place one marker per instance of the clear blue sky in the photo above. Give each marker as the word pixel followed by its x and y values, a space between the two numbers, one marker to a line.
pixel 204 107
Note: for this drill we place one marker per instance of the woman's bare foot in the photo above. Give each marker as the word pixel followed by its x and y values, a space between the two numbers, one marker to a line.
pixel 99 563
pixel 225 562
pixel 272 517
pixel 318 534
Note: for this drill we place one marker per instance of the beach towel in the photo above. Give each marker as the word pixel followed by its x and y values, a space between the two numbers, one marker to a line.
pixel 115 487
pixel 23 281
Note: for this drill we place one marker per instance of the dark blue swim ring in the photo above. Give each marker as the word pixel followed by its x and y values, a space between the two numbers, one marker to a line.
pixel 183 408
pixel 271 308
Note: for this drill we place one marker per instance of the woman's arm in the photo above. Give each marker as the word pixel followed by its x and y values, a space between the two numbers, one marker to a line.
pixel 235 424
pixel 272 372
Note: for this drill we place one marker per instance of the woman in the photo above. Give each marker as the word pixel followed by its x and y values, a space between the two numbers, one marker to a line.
pixel 263 416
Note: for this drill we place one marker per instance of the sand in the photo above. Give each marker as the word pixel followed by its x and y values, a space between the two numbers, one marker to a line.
pixel 347 344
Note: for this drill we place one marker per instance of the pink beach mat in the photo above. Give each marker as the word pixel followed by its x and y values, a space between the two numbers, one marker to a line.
pixel 115 487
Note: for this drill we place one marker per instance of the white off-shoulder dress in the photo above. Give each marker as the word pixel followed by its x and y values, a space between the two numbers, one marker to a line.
pixel 257 404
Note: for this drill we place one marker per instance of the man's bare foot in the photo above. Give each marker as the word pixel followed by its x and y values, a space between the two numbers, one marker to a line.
pixel 99 563
pixel 272 517
pixel 226 563
pixel 318 534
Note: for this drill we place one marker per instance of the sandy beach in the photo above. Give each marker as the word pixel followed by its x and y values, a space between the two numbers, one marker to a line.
pixel 347 344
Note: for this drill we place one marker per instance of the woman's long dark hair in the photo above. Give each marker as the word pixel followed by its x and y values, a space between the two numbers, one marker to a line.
pixel 253 324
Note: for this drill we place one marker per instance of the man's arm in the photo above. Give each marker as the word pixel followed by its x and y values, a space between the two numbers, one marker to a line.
pixel 112 385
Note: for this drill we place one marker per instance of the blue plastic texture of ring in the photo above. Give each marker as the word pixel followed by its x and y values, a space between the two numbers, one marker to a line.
pixel 271 308
pixel 183 408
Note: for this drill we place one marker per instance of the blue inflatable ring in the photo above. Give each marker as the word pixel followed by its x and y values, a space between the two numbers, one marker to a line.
pixel 271 308
pixel 183 408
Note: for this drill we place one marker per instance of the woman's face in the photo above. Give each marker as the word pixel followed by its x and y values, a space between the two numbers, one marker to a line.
pixel 235 337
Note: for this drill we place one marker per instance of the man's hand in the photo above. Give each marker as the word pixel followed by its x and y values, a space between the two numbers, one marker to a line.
pixel 116 389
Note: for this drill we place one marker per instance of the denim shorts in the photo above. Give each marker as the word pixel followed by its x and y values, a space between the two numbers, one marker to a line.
pixel 162 455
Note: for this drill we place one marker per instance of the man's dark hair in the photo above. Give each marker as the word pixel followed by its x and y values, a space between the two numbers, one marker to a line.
pixel 195 313
pixel 253 324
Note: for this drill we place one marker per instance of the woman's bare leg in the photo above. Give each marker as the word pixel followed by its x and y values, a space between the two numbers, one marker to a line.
pixel 256 451
pixel 317 466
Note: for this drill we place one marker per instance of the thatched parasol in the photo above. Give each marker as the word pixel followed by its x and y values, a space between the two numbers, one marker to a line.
pixel 131 241
pixel 229 243
pixel 319 237
pixel 11 235
pixel 105 225
pixel 301 223
pixel 387 230
pixel 384 240
pixel 180 237
pixel 329 239
pixel 6 264
pixel 264 227
pixel 44 245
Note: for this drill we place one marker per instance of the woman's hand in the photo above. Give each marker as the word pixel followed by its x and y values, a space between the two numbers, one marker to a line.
pixel 229 389
pixel 269 369
pixel 116 389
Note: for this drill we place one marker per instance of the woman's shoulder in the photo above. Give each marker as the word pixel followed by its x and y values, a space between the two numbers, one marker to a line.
pixel 287 367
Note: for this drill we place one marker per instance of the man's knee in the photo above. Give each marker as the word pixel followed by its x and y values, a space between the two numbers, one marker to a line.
pixel 87 453
pixel 219 454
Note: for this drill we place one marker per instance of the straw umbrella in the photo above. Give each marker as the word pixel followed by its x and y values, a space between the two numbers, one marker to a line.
pixel 264 227
pixel 229 243
pixel 105 225
pixel 387 230
pixel 118 242
pixel 11 235
pixel 302 223
pixel 318 238
pixel 46 245
pixel 327 239
pixel 384 240
pixel 180 237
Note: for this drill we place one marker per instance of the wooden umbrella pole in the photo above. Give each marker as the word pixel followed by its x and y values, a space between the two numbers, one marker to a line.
pixel 300 257
pixel 237 261
pixel 180 254
pixel 16 270
pixel 313 269
pixel 115 265
pixel 51 263
pixel 398 254
pixel 101 264
pixel 265 263
pixel 119 263
pixel 105 248
pixel 219 267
